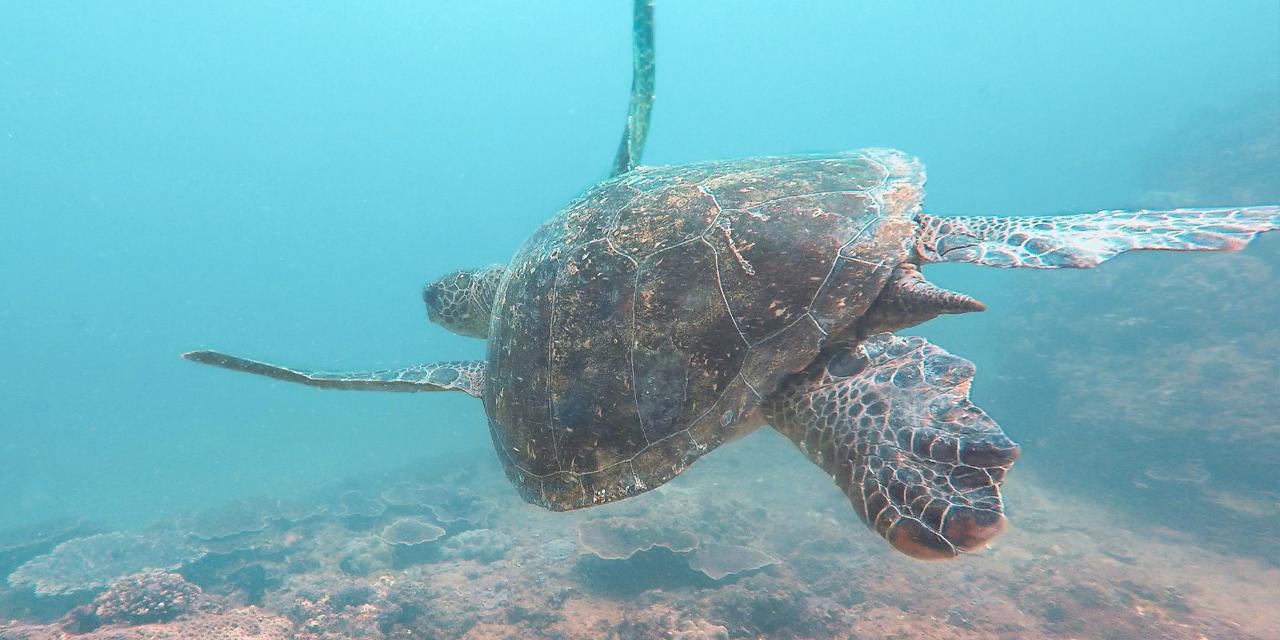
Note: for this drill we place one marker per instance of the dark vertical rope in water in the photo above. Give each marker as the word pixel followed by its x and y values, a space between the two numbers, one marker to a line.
pixel 642 74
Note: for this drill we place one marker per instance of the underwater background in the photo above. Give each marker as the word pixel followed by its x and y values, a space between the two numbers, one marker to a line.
pixel 280 180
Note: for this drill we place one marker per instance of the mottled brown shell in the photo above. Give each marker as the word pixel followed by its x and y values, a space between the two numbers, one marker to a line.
pixel 644 322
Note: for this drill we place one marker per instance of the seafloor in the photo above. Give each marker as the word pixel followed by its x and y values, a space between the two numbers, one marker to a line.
pixel 751 542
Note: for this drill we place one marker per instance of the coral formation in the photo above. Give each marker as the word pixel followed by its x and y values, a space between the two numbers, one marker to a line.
pixel 23 543
pixel 624 538
pixel 354 504
pixel 456 508
pixel 99 560
pixel 264 540
pixel 719 561
pixel 410 532
pixel 620 538
pixel 236 518
pixel 1067 568
pixel 699 630
pixel 404 494
pixel 297 511
pixel 411 540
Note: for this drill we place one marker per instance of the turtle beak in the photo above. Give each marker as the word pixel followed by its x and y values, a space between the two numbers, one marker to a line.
pixel 431 298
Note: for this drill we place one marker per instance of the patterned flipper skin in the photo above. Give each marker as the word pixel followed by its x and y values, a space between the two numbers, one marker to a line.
pixel 465 376
pixel 1088 239
pixel 890 419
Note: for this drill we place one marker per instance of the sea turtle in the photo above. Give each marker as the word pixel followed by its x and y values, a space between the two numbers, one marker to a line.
pixel 670 309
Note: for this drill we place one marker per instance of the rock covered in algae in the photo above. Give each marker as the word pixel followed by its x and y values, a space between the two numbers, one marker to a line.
pixel 1158 360
pixel 1039 584
pixel 483 545
pixel 144 598
pixel 99 560
pixel 247 623
pixel 364 555
pixel 699 630
pixel 1228 156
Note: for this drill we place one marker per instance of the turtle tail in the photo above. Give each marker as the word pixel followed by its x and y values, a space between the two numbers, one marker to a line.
pixel 1088 239
pixel 465 376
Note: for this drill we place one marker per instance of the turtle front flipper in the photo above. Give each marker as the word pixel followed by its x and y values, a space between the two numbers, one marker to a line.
pixel 1087 239
pixel 466 376
pixel 890 419
pixel 642 78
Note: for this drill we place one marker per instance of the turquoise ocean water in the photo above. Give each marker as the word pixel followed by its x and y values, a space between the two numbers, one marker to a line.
pixel 279 180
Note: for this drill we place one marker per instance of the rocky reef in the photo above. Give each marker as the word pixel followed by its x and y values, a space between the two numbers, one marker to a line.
pixel 139 599
pixel 1155 375
pixel 1223 155
pixel 753 542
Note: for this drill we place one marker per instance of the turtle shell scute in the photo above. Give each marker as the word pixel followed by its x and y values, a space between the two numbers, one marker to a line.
pixel 646 322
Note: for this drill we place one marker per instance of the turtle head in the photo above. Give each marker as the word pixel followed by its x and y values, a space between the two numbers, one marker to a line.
pixel 462 301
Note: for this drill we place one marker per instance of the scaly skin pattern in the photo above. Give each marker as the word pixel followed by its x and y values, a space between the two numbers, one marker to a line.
pixel 890 419
pixel 1087 239
pixel 642 82
pixel 466 376
pixel 648 320
pixel 908 300
pixel 462 301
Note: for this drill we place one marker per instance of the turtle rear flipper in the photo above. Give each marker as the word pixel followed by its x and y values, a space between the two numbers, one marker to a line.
pixel 890 419
pixel 1087 239
pixel 465 376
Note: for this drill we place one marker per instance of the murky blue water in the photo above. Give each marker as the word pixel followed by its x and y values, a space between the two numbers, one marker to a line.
pixel 280 181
